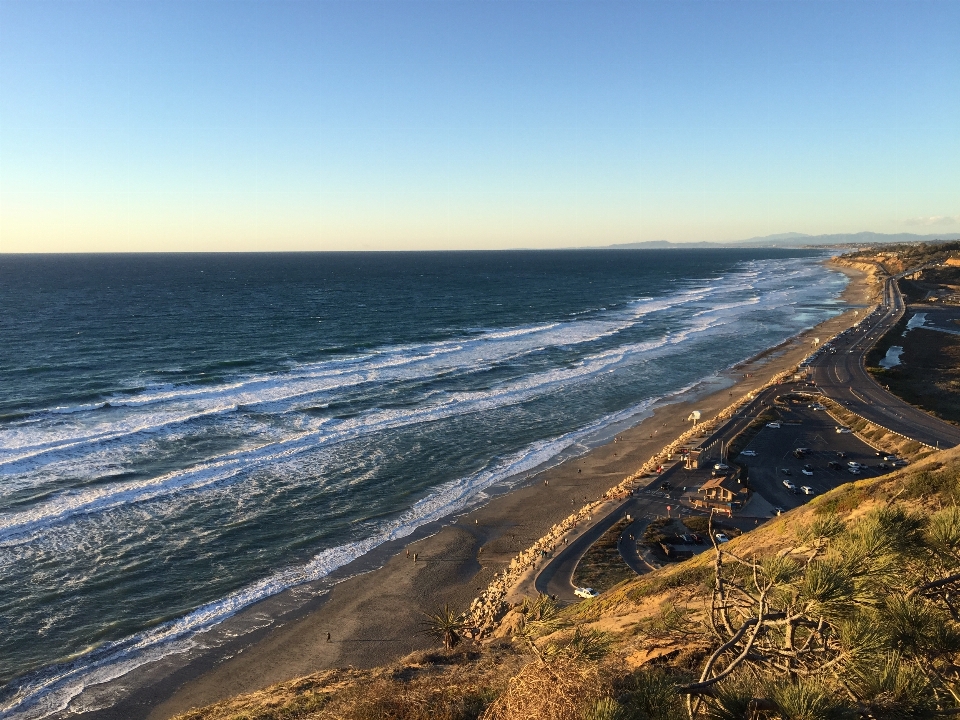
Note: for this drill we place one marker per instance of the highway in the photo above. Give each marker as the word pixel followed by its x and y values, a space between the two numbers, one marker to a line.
pixel 843 377
pixel 840 375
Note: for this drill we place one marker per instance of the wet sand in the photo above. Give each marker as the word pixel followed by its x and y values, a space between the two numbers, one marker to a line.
pixel 376 618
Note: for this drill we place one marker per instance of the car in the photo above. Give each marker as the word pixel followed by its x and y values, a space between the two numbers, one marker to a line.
pixel 853 470
pixel 778 510
pixel 834 465
pixel 841 454
pixel 844 430
pixel 665 486
pixel 786 471
pixel 721 466
pixel 807 472
pixel 774 425
pixel 798 453
pixel 696 538
pixel 585 593
pixel 890 458
pixel 789 485
pixel 721 538
pixel 749 453
pixel 854 464
pixel 807 490
pixel 884 466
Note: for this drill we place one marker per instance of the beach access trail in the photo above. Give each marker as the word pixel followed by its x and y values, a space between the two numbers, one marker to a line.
pixel 377 617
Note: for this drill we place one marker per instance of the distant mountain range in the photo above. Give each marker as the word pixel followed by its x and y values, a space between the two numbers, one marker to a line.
pixel 792 240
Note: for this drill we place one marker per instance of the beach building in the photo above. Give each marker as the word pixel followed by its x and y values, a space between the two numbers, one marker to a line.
pixel 725 493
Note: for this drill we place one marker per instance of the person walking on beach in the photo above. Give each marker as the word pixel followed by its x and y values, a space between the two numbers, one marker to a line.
pixel 328 638
pixel 408 552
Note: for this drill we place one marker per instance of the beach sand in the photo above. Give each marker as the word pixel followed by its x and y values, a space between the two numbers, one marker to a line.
pixel 376 618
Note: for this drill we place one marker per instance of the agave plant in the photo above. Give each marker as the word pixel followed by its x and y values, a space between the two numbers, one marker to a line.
pixel 446 626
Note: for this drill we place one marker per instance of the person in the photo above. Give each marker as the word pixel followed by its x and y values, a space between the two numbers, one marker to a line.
pixel 408 552
pixel 415 556
pixel 328 637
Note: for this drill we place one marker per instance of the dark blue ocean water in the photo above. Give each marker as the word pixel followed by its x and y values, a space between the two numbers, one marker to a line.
pixel 182 435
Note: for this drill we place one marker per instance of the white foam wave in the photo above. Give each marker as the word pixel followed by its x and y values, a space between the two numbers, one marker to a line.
pixel 52 691
pixel 23 526
pixel 23 447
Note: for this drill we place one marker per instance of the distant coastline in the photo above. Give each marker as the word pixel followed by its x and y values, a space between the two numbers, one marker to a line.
pixel 791 240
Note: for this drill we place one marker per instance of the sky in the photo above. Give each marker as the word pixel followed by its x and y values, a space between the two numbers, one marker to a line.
pixel 353 125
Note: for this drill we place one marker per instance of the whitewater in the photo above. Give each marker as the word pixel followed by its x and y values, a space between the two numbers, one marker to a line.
pixel 181 438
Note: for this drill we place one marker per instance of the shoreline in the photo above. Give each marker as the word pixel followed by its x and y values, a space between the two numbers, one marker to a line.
pixel 373 606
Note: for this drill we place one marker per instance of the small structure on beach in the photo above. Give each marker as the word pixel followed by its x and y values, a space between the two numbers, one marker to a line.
pixel 725 493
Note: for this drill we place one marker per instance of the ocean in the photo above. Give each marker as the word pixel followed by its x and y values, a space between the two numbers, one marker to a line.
pixel 182 435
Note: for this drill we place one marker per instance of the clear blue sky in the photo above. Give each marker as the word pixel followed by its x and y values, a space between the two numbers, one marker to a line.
pixel 380 125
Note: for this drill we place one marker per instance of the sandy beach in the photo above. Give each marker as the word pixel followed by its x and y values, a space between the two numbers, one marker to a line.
pixel 376 617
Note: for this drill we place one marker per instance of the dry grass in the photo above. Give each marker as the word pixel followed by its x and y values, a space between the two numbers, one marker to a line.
pixel 563 689
pixel 650 625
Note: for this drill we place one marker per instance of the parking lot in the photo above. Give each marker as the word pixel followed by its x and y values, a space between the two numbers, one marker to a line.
pixel 815 431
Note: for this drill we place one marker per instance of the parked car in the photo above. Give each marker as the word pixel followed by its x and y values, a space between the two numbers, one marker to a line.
pixel 778 510
pixel 834 465
pixel 853 470
pixel 798 453
pixel 883 466
pixel 789 485
pixel 841 454
pixel 774 425
pixel 721 466
pixel 749 453
pixel 786 471
pixel 721 538
pixel 585 592
pixel 807 471
pixel 844 430
pixel 807 490
pixel 854 464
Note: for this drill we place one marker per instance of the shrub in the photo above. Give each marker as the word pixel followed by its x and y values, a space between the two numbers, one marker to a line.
pixel 697 523
pixel 928 484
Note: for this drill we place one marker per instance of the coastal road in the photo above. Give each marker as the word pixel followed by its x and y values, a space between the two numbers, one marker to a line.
pixel 556 577
pixel 842 376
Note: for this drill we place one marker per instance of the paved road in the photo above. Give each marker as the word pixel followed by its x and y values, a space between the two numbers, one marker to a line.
pixel 627 545
pixel 843 377
pixel 556 577
pixel 815 431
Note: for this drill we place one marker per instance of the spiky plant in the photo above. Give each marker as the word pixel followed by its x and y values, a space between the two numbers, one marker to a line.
pixel 446 626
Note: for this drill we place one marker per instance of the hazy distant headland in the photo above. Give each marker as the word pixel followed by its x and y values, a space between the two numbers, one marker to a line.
pixel 795 240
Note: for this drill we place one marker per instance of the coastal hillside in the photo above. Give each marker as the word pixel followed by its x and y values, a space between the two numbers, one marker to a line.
pixel 846 607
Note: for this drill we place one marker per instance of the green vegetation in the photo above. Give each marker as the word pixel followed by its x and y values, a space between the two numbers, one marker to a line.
pixel 697 523
pixel 846 607
pixel 928 375
pixel 446 626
